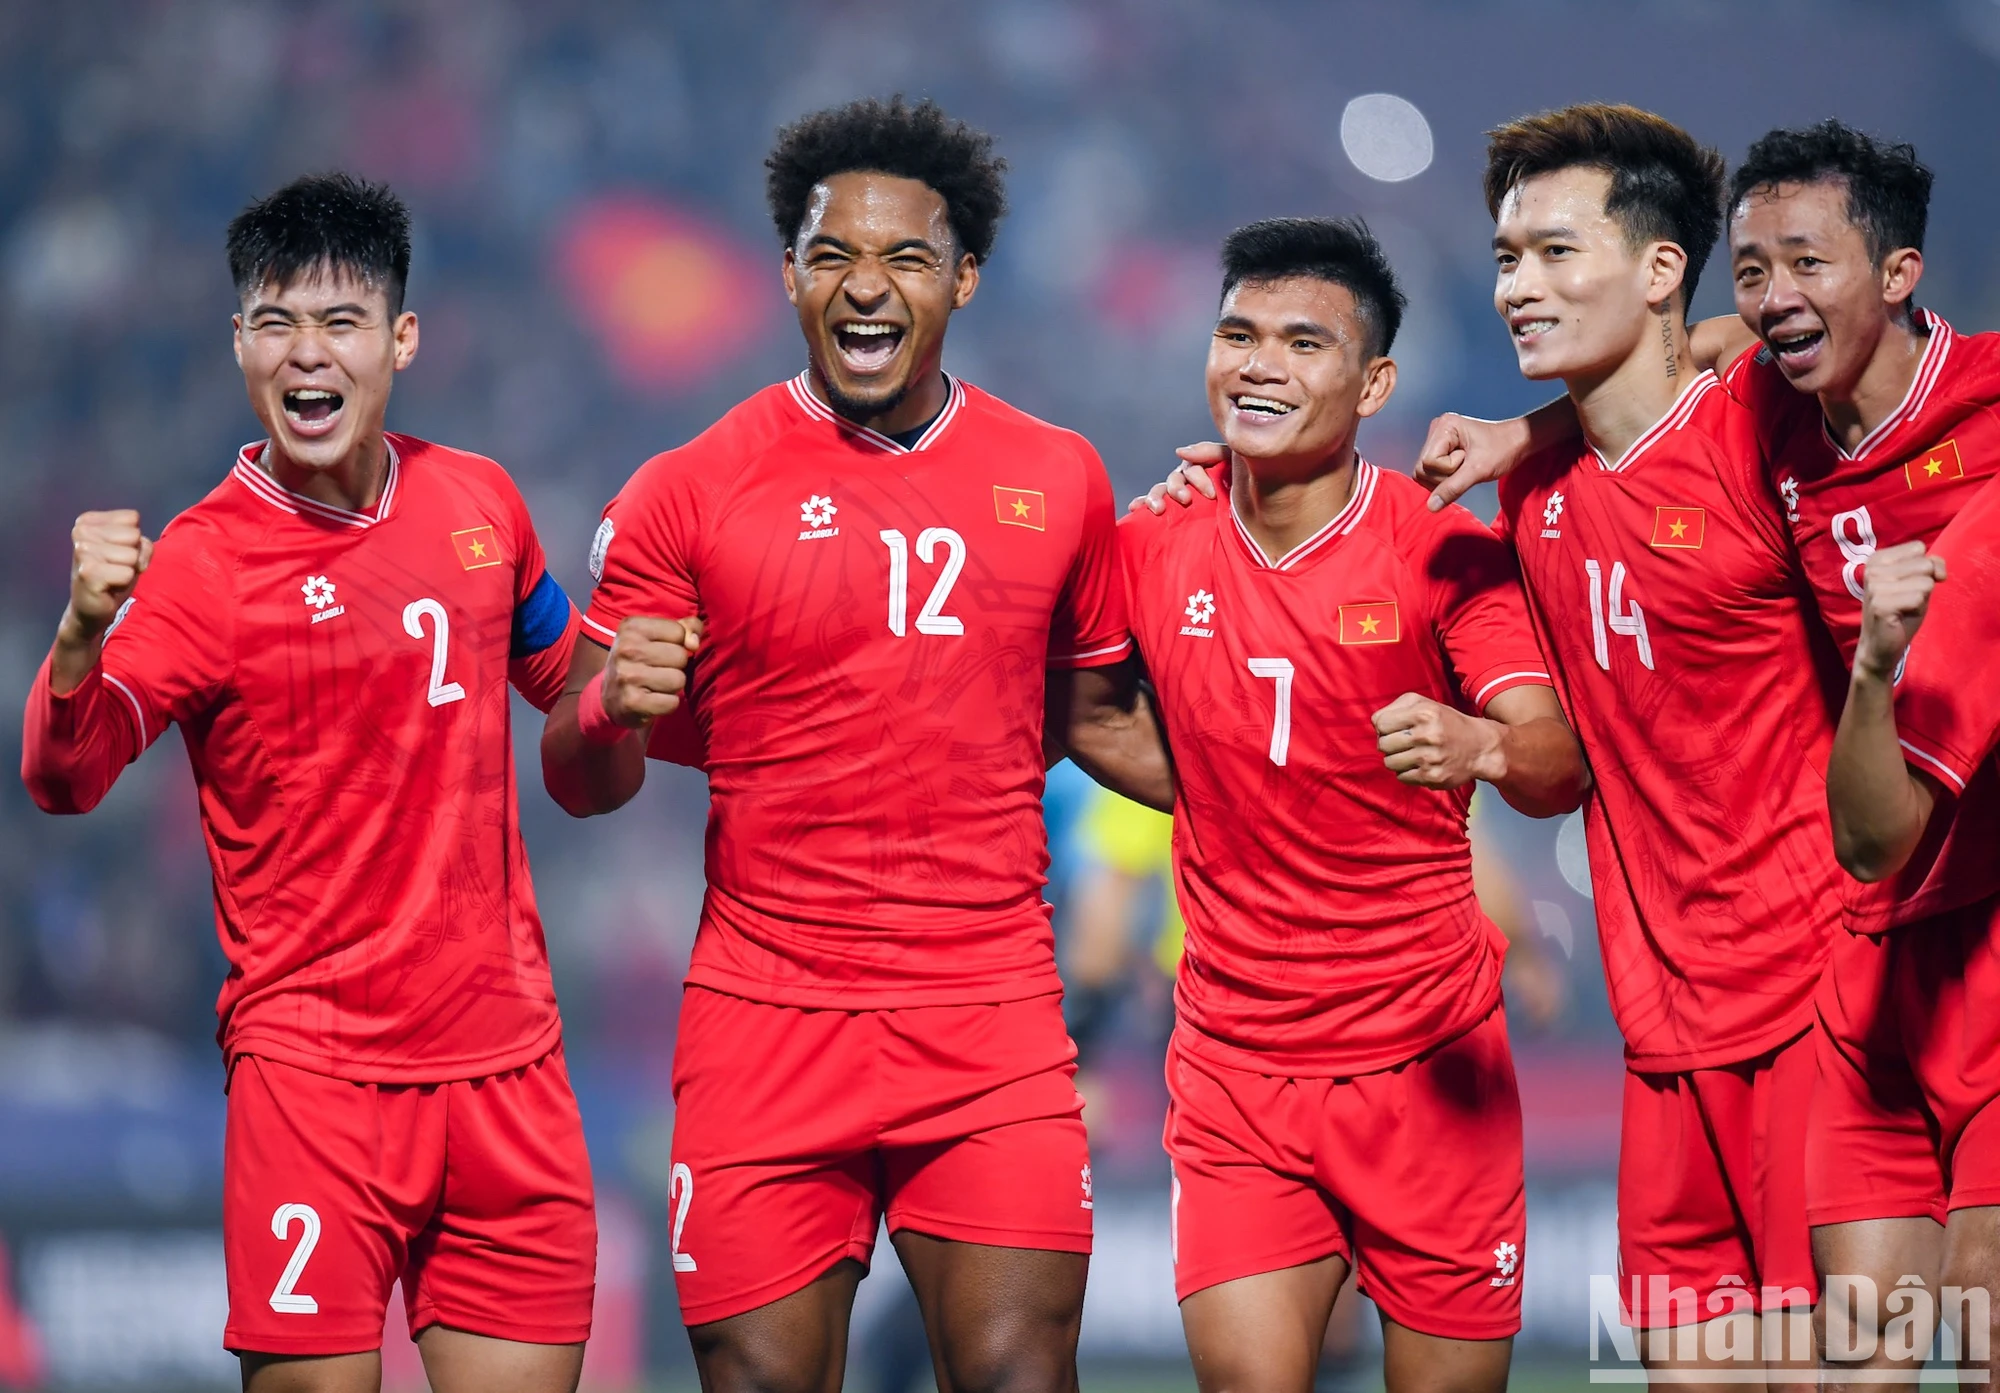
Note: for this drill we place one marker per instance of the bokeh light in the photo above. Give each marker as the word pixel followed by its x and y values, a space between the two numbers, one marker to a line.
pixel 1386 137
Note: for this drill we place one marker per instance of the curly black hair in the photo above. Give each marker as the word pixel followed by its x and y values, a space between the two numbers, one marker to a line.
pixel 1888 187
pixel 1340 250
pixel 332 222
pixel 913 142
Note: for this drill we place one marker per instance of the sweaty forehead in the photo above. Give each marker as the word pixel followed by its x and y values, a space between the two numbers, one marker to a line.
pixel 317 287
pixel 1294 300
pixel 1573 197
pixel 864 207
pixel 1789 211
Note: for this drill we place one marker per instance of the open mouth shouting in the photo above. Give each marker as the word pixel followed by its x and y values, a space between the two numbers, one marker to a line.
pixel 313 411
pixel 1797 350
pixel 866 347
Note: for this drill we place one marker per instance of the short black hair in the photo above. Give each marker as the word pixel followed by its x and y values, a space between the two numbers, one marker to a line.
pixel 912 142
pixel 323 223
pixel 1666 186
pixel 1340 250
pixel 1888 187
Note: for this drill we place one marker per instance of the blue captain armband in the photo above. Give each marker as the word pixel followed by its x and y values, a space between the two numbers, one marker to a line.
pixel 541 619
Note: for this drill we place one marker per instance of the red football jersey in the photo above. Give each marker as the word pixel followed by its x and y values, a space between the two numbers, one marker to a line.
pixel 1905 481
pixel 340 680
pixel 1668 602
pixel 1331 924
pixel 869 695
pixel 1947 705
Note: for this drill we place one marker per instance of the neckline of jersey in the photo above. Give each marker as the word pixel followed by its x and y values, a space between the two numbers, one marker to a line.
pixel 248 473
pixel 801 392
pixel 1342 522
pixel 1676 416
pixel 1929 368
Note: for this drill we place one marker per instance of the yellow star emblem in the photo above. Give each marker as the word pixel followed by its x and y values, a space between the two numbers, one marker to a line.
pixel 1020 507
pixel 477 548
pixel 1677 528
pixel 1934 466
pixel 1369 623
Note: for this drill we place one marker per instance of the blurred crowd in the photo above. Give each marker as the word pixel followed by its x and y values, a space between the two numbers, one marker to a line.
pixel 597 279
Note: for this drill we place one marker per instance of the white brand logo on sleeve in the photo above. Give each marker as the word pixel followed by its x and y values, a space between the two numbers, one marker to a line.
pixel 817 514
pixel 599 545
pixel 1200 610
pixel 1552 514
pixel 1506 1257
pixel 318 591
pixel 1086 1185
pixel 1788 488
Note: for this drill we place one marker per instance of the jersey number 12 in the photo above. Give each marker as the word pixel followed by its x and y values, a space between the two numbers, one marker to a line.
pixel 931 619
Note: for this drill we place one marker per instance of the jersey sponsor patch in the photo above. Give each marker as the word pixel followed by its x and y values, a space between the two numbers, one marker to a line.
pixel 1939 465
pixel 1679 529
pixel 1020 507
pixel 477 547
pixel 1377 622
pixel 599 545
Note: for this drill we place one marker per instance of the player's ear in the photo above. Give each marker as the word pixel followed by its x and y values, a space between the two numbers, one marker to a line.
pixel 236 337
pixel 965 280
pixel 405 332
pixel 1666 268
pixel 1378 384
pixel 1901 270
pixel 791 276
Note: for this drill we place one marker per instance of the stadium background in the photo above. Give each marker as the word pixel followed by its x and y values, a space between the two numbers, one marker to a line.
pixel 596 279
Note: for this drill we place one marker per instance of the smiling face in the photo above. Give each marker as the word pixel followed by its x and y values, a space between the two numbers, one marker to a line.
pixel 1805 281
pixel 1578 298
pixel 875 275
pixel 319 357
pixel 1289 372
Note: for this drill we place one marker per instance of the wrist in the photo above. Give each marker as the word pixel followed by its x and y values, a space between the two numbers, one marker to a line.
pixel 594 721
pixel 1873 669
pixel 77 634
pixel 1489 761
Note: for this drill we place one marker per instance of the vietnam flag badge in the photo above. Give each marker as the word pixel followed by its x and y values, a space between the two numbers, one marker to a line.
pixel 1021 507
pixel 1679 529
pixel 477 547
pixel 1940 465
pixel 1370 623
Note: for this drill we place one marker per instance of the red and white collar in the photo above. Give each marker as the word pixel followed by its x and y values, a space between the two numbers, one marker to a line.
pixel 1936 349
pixel 251 476
pixel 1676 417
pixel 801 391
pixel 1344 521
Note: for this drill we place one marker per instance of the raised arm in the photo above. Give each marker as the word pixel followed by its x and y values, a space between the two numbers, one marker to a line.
pixel 78 734
pixel 1718 342
pixel 594 741
pixel 1102 717
pixel 1879 805
pixel 1521 745
pixel 1463 451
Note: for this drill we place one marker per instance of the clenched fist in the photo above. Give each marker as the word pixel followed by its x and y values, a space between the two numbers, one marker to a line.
pixel 1893 604
pixel 1462 451
pixel 107 553
pixel 1431 745
pixel 647 670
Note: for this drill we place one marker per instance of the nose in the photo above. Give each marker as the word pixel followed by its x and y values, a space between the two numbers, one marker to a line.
pixel 1265 363
pixel 308 350
pixel 866 286
pixel 1520 284
pixel 1780 295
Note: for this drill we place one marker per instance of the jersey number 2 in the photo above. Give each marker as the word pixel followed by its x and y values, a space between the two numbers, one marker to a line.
pixel 284 1300
pixel 931 619
pixel 441 691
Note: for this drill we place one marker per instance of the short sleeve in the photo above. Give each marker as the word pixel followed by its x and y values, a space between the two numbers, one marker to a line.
pixel 1479 609
pixel 643 555
pixel 167 654
pixel 1089 628
pixel 543 636
pixel 1947 705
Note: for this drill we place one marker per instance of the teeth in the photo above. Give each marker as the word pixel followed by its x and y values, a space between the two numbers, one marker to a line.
pixel 1276 408
pixel 869 329
pixel 1533 326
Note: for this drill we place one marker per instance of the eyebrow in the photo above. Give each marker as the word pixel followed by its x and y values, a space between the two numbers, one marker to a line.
pixel 827 239
pixel 353 311
pixel 1290 329
pixel 1541 234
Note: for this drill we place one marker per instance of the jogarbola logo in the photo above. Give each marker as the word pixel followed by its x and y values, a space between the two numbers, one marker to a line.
pixel 1552 514
pixel 817 514
pixel 1200 610
pixel 1506 1257
pixel 318 591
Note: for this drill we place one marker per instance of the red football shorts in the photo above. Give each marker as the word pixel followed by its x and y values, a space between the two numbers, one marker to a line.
pixel 796 1131
pixel 1711 1189
pixel 1412 1175
pixel 1904 1120
pixel 476 1194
